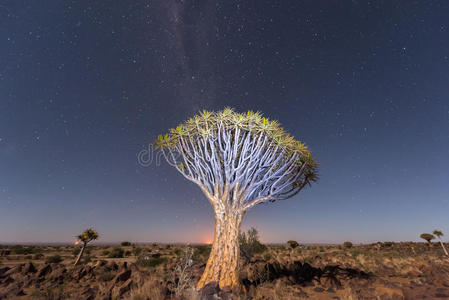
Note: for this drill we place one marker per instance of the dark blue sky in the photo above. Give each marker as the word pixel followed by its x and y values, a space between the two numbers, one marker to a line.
pixel 86 85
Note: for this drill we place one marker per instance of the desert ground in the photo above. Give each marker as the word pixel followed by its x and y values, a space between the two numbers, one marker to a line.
pixel 386 270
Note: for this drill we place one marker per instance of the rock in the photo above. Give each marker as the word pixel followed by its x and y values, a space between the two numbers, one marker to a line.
pixel 43 270
pixel 3 271
pixel 13 270
pixel 99 263
pixel 210 289
pixel 87 293
pixel 123 265
pixel 58 274
pixel 226 289
pixel 122 276
pixel 125 287
pixel 28 268
pixel 112 265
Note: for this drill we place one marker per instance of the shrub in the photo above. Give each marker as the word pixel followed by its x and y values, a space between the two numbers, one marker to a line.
pixel 127 253
pixel 38 256
pixel 116 252
pixel 76 251
pixel 18 249
pixel 53 259
pixel 347 244
pixel 137 251
pixel 250 244
pixel 201 252
pixel 86 259
pixel 177 252
pixel 105 252
pixel 149 261
pixel 124 244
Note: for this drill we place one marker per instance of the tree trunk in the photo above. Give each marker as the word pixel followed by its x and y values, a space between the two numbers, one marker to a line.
pixel 442 245
pixel 223 265
pixel 80 254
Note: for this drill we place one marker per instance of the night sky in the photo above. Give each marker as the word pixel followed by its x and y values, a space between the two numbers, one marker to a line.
pixel 86 85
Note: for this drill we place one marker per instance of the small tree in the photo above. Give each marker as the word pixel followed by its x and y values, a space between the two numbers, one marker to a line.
pixel 238 161
pixel 87 236
pixel 292 244
pixel 439 234
pixel 428 237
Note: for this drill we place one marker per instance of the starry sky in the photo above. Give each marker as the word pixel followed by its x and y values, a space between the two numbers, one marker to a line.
pixel 87 85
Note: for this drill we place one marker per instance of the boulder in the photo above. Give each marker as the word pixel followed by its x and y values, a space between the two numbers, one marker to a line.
pixel 122 276
pixel 28 268
pixel 209 290
pixel 3 271
pixel 13 270
pixel 43 270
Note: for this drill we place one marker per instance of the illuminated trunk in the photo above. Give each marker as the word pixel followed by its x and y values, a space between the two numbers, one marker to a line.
pixel 80 254
pixel 223 265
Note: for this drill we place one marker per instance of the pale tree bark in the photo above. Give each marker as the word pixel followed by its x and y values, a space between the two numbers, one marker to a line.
pixel 237 166
pixel 80 254
pixel 442 246
pixel 223 265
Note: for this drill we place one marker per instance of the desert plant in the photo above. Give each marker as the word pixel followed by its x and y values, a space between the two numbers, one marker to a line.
pixel 136 251
pixel 238 161
pixel 116 252
pixel 347 245
pixel 201 253
pixel 250 244
pixel 292 244
pixel 38 256
pixel 149 261
pixel 53 259
pixel 428 237
pixel 124 244
pixel 87 236
pixel 439 234
pixel 183 271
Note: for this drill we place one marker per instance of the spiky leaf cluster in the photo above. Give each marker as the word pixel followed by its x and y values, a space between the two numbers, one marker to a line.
pixel 88 235
pixel 205 124
pixel 427 236
pixel 244 156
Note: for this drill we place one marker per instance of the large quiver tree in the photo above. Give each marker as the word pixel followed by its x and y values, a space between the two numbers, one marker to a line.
pixel 238 161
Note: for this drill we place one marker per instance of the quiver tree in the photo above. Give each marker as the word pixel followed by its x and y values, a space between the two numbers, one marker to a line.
pixel 428 237
pixel 87 236
pixel 439 234
pixel 238 161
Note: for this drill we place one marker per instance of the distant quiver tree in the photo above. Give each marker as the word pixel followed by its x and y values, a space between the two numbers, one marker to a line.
pixel 238 161
pixel 439 234
pixel 86 237
pixel 428 237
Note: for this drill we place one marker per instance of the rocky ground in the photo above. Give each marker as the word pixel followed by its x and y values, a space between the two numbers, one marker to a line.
pixel 376 271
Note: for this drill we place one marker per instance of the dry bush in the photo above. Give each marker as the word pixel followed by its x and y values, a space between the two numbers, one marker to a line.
pixel 150 290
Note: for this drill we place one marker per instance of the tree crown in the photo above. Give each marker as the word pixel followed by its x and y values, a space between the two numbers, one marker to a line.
pixel 88 235
pixel 206 123
pixel 243 155
pixel 427 236
pixel 438 233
